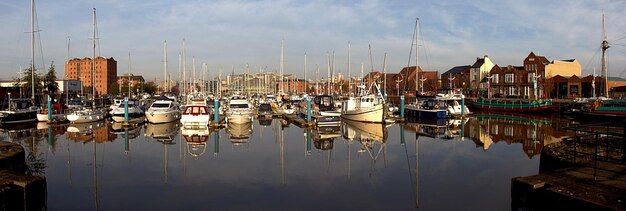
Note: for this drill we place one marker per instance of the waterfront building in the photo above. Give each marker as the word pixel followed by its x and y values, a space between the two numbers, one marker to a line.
pixel 105 73
pixel 478 71
pixel 456 78
pixel 133 80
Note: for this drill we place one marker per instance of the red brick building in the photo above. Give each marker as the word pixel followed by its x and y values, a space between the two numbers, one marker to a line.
pixel 105 73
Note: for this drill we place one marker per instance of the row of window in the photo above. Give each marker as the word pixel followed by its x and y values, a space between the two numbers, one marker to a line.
pixel 510 78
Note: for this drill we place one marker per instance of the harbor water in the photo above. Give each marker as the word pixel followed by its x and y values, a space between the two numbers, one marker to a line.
pixel 275 165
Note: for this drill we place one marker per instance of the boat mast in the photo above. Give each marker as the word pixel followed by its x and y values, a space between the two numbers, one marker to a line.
pixel 184 70
pixel 328 74
pixel 305 80
pixel 129 88
pixel 605 45
pixel 32 40
pixel 349 76
pixel 165 66
pixel 93 63
pixel 67 60
pixel 281 65
pixel 417 32
pixel 193 78
pixel 317 73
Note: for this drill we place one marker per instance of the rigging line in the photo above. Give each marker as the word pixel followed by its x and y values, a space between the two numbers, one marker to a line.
pixel 592 59
pixel 43 63
pixel 406 77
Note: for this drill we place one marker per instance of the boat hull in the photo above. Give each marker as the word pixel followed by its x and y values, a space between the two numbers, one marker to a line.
pixel 190 121
pixel 18 117
pixel 413 112
pixel 163 117
pixel 371 114
pixel 512 106
pixel 132 117
pixel 85 118
pixel 239 119
pixel 55 117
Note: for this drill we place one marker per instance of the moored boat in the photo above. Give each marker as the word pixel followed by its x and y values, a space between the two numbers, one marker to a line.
pixel 196 112
pixel 163 110
pixel 19 110
pixel 520 105
pixel 135 112
pixel 239 110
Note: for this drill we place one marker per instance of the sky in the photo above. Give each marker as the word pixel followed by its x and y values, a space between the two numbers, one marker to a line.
pixel 239 35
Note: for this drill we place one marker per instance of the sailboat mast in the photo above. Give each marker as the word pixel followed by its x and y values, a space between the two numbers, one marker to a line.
pixel 605 45
pixel 184 70
pixel 32 42
pixel 328 74
pixel 305 80
pixel 417 32
pixel 129 88
pixel 93 63
pixel 281 64
pixel 165 66
pixel 67 60
pixel 193 67
pixel 349 76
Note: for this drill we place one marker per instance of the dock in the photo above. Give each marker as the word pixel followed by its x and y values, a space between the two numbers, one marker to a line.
pixel 583 172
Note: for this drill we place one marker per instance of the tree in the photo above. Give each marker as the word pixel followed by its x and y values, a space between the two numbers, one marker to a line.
pixel 27 82
pixel 125 87
pixel 149 87
pixel 115 89
pixel 50 80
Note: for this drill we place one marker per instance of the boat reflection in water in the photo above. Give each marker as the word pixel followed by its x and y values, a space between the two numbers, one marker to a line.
pixel 239 133
pixel 164 132
pixel 19 132
pixel 196 139
pixel 371 136
pixel 131 131
pixel 325 140
pixel 85 132
pixel 437 128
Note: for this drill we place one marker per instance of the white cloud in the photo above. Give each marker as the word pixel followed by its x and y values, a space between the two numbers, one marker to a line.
pixel 238 32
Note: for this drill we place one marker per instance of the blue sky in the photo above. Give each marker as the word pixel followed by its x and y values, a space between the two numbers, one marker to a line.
pixel 229 33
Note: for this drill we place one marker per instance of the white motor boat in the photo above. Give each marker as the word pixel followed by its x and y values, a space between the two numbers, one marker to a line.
pixel 239 110
pixel 135 112
pixel 162 111
pixel 196 112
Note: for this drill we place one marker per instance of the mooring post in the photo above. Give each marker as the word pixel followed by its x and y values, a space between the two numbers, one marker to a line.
pixel 216 108
pixel 402 106
pixel 49 108
pixel 308 109
pixel 50 136
pixel 126 110
pixel 126 142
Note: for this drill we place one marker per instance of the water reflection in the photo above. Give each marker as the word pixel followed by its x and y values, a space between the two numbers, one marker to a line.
pixel 239 133
pixel 196 139
pixel 368 166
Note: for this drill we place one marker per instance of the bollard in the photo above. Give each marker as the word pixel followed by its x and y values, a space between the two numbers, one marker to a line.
pixel 462 105
pixel 308 108
pixel 216 145
pixel 126 110
pixel 216 107
pixel 49 109
pixel 402 106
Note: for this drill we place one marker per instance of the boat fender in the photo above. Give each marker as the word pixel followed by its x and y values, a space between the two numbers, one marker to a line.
pixel 436 106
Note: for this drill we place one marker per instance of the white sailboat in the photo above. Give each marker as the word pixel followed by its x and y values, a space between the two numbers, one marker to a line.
pixel 89 114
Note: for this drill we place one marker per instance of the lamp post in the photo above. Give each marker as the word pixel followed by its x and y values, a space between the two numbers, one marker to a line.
pixel 488 87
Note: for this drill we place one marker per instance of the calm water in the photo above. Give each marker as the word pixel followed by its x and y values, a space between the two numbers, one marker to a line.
pixel 271 165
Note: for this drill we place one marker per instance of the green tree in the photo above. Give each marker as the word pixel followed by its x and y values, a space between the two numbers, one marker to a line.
pixel 27 83
pixel 149 87
pixel 50 80
pixel 125 87
pixel 114 89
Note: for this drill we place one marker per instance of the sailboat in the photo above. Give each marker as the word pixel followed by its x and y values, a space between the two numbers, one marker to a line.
pixel 89 114
pixel 20 110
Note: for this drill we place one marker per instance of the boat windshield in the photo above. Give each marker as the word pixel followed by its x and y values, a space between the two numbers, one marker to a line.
pixel 160 105
pixel 195 110
pixel 265 107
pixel 245 105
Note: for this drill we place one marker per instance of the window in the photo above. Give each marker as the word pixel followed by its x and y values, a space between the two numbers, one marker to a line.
pixel 508 78
pixel 531 59
pixel 531 77
pixel 495 79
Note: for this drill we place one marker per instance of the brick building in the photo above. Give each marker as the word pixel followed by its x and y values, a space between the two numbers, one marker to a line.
pixel 105 73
